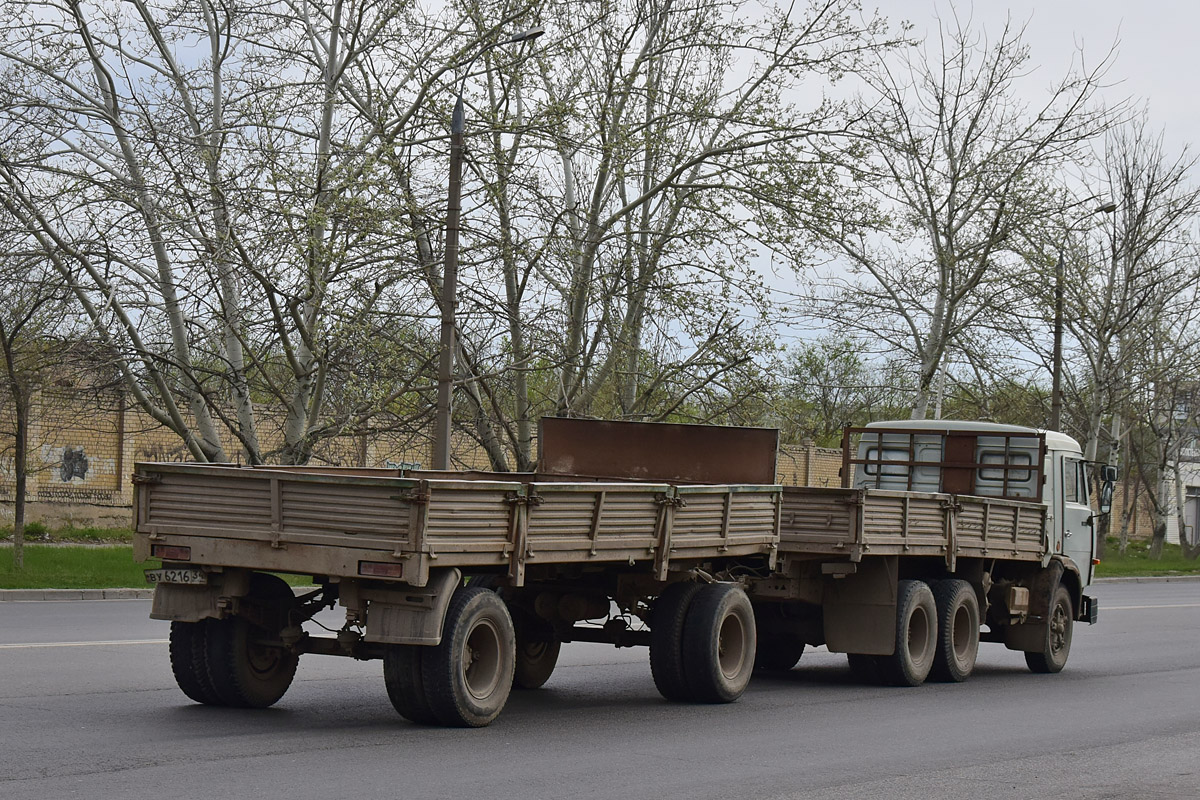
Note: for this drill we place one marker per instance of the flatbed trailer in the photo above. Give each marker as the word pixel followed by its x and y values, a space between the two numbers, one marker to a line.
pixel 466 584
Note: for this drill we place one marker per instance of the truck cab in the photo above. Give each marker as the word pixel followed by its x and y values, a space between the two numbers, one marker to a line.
pixel 989 460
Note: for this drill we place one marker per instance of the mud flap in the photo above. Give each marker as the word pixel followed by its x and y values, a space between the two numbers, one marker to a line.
pixel 184 603
pixel 860 609
pixel 410 615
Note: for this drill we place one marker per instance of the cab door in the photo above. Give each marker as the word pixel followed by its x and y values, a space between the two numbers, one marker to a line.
pixel 1079 534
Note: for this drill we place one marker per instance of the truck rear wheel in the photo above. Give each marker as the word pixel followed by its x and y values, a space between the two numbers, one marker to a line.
pixel 1057 643
pixel 469 676
pixel 778 649
pixel 189 661
pixel 777 653
pixel 666 640
pixel 245 671
pixel 863 668
pixel 719 643
pixel 535 662
pixel 405 686
pixel 958 630
pixel 916 636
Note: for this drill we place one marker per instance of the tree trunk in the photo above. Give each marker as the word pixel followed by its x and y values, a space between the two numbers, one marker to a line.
pixel 1159 538
pixel 20 457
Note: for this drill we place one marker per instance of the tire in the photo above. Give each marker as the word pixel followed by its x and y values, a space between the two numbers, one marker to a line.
pixel 916 636
pixel 864 668
pixel 245 673
pixel 486 581
pixel 405 686
pixel 189 663
pixel 777 653
pixel 1059 629
pixel 719 643
pixel 536 659
pixel 778 650
pixel 958 631
pixel 666 640
pixel 469 676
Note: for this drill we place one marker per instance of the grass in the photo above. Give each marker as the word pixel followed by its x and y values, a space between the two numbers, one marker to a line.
pixel 1137 562
pixel 37 532
pixel 69 567
pixel 89 567
pixel 85 567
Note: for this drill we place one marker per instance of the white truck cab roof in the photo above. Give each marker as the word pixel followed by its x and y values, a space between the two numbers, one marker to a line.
pixel 1054 439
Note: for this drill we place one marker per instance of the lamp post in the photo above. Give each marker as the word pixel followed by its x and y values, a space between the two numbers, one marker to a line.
pixel 449 298
pixel 1056 387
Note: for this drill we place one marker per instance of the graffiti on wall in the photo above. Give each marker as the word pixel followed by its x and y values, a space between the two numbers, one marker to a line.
pixel 75 494
pixel 72 465
pixel 161 452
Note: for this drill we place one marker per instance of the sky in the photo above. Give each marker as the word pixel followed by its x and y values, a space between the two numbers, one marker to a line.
pixel 1155 60
pixel 1154 64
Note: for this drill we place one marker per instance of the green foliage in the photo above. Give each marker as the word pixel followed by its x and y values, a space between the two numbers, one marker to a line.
pixel 69 533
pixel 85 567
pixel 53 567
pixel 1137 561
pixel 830 384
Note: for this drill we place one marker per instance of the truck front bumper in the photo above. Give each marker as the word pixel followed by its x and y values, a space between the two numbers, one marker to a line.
pixel 1089 610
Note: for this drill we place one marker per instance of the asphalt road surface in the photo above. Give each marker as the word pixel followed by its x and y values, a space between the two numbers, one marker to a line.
pixel 88 709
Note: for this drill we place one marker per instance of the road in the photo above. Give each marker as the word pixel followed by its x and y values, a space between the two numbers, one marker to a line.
pixel 88 709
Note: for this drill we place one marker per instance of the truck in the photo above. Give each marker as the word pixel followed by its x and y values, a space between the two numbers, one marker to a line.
pixel 673 537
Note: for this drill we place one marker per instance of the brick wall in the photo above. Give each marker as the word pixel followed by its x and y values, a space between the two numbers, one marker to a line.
pixel 806 465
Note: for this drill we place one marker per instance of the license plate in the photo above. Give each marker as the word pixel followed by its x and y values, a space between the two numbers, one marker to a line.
pixel 193 577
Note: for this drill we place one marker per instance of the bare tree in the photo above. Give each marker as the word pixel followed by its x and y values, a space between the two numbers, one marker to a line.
pixel 619 207
pixel 954 169
pixel 216 187
pixel 35 329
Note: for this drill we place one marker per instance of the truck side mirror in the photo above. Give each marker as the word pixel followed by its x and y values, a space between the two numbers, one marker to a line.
pixel 1106 497
pixel 1108 478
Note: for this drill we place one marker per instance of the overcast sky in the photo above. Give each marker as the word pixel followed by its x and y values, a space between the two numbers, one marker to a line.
pixel 1155 39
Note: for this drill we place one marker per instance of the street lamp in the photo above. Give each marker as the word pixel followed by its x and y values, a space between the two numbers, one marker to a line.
pixel 441 434
pixel 1056 388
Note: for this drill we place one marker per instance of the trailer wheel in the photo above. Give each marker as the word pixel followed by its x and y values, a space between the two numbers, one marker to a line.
pixel 1057 645
pixel 864 668
pixel 666 640
pixel 777 653
pixel 719 643
pixel 536 660
pixel 469 676
pixel 245 671
pixel 405 687
pixel 778 649
pixel 958 630
pixel 916 636
pixel 189 661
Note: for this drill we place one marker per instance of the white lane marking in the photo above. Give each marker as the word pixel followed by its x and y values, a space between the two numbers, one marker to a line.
pixel 1138 608
pixel 30 645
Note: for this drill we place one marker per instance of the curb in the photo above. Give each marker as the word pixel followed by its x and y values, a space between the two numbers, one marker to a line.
pixel 37 595
pixel 1150 579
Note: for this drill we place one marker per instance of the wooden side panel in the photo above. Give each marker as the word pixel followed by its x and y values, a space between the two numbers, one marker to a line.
pixel 276 506
pixel 818 520
pixel 469 517
pixel 724 519
pixel 899 522
pixel 593 521
pixel 1001 529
